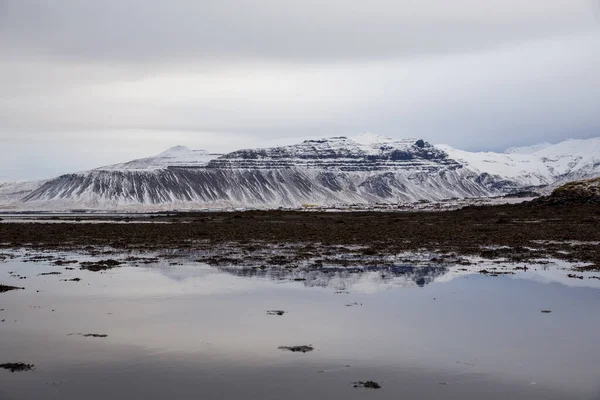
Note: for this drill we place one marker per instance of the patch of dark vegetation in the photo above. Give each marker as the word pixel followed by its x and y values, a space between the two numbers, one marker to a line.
pixel 297 349
pixel 573 276
pixel 101 265
pixel 17 367
pixel 278 260
pixel 6 256
pixel 38 258
pixel 588 268
pixel 275 312
pixel 494 272
pixel 220 261
pixel 6 288
pixel 92 335
pixel 15 275
pixel 65 262
pixel 50 273
pixel 142 260
pixel 369 251
pixel 366 385
pixel 522 194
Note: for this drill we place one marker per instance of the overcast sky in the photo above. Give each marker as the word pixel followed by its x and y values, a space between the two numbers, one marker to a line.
pixel 85 83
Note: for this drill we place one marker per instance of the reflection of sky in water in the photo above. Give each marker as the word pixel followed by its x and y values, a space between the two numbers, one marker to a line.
pixel 196 330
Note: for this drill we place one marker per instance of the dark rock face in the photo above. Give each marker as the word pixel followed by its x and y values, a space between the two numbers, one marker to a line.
pixel 336 153
pixel 382 185
pixel 492 182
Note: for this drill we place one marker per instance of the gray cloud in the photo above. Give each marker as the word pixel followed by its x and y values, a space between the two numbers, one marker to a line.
pixel 310 30
pixel 109 74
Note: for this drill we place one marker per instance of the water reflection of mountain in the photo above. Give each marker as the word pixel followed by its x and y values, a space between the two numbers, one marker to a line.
pixel 338 278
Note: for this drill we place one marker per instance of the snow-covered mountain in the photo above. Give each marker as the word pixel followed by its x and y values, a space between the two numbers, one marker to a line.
pixel 527 149
pixel 338 170
pixel 178 156
pixel 12 193
pixel 537 165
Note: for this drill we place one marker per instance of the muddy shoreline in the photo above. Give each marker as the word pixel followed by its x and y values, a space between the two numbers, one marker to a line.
pixel 517 233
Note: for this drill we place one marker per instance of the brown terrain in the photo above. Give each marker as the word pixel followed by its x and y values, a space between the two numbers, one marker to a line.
pixel 518 233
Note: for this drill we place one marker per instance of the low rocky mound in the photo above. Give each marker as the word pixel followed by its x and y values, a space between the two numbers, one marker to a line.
pixel 578 192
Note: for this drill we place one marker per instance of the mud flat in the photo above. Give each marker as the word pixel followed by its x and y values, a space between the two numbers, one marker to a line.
pixel 516 232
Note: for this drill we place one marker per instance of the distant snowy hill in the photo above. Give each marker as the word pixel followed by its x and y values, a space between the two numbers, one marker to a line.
pixel 12 193
pixel 178 156
pixel 527 149
pixel 331 171
pixel 536 165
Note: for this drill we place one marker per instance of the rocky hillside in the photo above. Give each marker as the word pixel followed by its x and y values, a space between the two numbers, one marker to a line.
pixel 578 192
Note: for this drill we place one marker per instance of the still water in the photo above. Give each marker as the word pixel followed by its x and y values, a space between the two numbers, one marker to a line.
pixel 192 331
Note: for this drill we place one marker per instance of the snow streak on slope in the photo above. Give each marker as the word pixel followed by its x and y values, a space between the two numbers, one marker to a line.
pixel 527 149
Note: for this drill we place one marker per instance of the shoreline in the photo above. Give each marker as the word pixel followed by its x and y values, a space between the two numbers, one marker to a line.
pixel 516 233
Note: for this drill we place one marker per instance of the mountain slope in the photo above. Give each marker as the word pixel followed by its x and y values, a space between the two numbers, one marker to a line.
pixel 535 165
pixel 175 156
pixel 11 193
pixel 329 171
pixel 332 171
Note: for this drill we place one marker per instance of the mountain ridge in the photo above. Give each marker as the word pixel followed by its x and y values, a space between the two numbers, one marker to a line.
pixel 331 171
